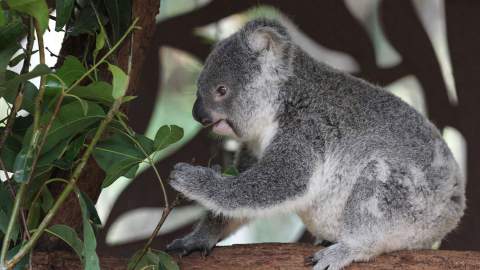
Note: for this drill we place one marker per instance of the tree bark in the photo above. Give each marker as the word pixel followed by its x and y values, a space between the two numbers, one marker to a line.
pixel 277 256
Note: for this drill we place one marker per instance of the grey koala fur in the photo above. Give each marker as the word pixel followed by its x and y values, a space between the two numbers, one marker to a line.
pixel 362 168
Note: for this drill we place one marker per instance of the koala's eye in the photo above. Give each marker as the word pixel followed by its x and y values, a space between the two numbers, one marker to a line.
pixel 221 91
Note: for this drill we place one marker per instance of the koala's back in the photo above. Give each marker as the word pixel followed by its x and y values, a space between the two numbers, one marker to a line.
pixel 380 161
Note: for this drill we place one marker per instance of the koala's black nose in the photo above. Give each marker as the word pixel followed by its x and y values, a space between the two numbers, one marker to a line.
pixel 199 113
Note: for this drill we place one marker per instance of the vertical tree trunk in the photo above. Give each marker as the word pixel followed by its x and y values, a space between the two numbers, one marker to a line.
pixel 91 180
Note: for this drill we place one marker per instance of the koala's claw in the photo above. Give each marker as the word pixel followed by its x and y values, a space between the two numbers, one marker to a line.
pixel 184 248
pixel 309 260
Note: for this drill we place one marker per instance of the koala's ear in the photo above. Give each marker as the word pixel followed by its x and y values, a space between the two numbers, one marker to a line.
pixel 263 35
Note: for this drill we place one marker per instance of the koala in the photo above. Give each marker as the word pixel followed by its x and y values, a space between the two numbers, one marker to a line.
pixel 361 168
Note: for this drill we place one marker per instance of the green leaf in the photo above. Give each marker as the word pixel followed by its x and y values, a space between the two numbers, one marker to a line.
pixel 9 152
pixel 120 155
pixel 23 263
pixel 126 168
pixel 71 70
pixel 46 158
pixel 5 55
pixel 155 259
pixel 35 8
pixel 47 200
pixel 11 32
pixel 167 135
pixel 12 84
pixel 16 60
pixel 99 42
pixel 22 167
pixel 29 93
pixel 120 81
pixel 69 122
pixel 69 236
pixel 119 14
pixel 96 91
pixel 34 215
pixel 64 10
pixel 86 22
pixel 92 211
pixel 3 20
pixel 91 261
pixel 74 147
pixel 6 206
pixel 231 171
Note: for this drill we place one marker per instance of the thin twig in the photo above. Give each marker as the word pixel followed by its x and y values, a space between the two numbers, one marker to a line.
pixel 19 97
pixel 154 234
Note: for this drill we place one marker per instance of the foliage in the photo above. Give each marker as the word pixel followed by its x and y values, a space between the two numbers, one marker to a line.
pixel 72 115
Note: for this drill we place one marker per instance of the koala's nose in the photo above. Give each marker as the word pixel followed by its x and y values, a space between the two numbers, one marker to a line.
pixel 199 113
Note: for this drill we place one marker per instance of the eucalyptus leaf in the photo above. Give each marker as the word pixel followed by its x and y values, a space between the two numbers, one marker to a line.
pixel 71 70
pixel 34 215
pixel 126 168
pixel 35 8
pixel 155 259
pixel 3 20
pixel 86 22
pixel 64 10
pixel 22 167
pixel 47 200
pixel 9 152
pixel 231 171
pixel 14 61
pixel 91 261
pixel 12 31
pixel 5 55
pixel 99 42
pixel 120 81
pixel 119 14
pixel 69 122
pixel 69 236
pixel 120 155
pixel 39 70
pixel 92 211
pixel 74 147
pixel 167 135
pixel 29 93
pixel 23 263
pixel 96 91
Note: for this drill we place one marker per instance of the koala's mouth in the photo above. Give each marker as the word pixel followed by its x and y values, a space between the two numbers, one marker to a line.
pixel 223 127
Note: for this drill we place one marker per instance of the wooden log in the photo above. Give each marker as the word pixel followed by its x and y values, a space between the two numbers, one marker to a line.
pixel 276 256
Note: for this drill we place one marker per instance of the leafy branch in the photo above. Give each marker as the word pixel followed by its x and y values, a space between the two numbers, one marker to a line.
pixel 72 116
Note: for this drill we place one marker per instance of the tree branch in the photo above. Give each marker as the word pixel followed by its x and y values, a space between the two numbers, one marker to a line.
pixel 277 256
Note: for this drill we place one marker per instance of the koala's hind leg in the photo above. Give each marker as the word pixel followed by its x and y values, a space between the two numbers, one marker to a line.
pixel 207 233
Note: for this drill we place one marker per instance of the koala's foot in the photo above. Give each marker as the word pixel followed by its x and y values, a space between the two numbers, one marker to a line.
pixel 323 243
pixel 334 257
pixel 190 243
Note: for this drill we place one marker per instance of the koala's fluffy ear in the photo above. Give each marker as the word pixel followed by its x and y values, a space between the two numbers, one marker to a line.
pixel 265 35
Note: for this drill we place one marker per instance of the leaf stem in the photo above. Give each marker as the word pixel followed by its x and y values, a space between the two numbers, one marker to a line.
pixel 165 214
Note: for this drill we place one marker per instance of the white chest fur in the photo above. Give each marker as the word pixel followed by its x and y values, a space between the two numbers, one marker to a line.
pixel 328 194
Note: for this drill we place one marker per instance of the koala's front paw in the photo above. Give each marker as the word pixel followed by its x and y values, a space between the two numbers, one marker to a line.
pixel 189 244
pixel 189 179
